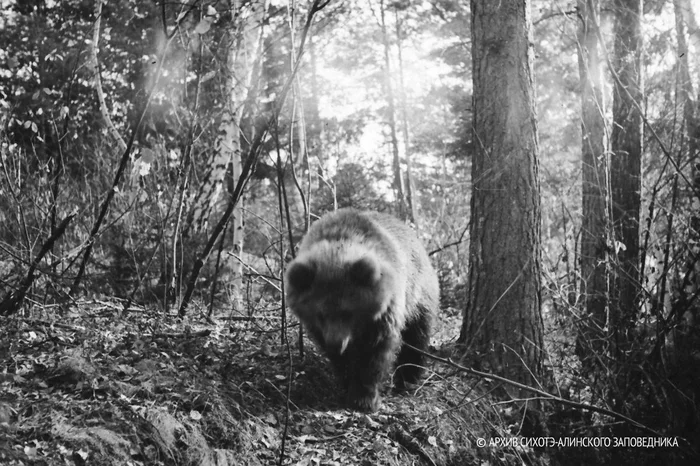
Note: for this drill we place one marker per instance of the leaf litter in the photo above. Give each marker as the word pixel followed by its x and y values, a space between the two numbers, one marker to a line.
pixel 100 388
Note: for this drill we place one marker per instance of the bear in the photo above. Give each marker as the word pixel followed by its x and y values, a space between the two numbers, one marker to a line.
pixel 363 286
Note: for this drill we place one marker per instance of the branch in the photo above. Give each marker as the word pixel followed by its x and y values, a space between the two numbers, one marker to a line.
pixel 542 393
pixel 247 169
pixel 124 159
pixel 638 107
pixel 552 14
pixel 449 245
pixel 14 299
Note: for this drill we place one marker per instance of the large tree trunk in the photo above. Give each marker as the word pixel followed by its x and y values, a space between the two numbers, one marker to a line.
pixel 685 333
pixel 503 318
pixel 685 23
pixel 625 168
pixel 595 218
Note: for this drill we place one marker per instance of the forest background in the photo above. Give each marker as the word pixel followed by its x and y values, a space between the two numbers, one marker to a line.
pixel 168 156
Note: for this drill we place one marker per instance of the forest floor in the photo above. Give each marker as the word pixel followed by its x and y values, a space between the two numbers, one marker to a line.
pixel 93 386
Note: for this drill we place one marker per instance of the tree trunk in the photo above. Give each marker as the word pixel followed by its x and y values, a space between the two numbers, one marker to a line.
pixel 410 189
pixel 246 32
pixel 503 319
pixel 297 193
pixel 685 22
pixel 682 334
pixel 399 190
pixel 314 131
pixel 594 224
pixel 625 168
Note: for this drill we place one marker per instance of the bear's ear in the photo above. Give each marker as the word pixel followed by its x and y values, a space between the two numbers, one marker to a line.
pixel 300 275
pixel 365 271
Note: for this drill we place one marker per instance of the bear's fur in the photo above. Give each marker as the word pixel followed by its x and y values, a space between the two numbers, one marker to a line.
pixel 362 284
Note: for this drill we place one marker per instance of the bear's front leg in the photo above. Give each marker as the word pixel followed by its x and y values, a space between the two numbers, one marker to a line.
pixel 369 368
pixel 363 398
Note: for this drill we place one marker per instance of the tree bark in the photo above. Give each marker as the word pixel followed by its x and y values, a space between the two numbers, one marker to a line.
pixel 410 188
pixel 94 49
pixel 686 25
pixel 243 50
pixel 625 168
pixel 502 319
pixel 247 167
pixel 595 186
pixel 399 189
pixel 314 131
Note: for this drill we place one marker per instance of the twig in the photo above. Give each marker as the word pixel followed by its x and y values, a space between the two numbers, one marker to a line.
pixel 124 160
pixel 288 400
pixel 14 299
pixel 252 269
pixel 247 169
pixel 645 120
pixel 201 333
pixel 537 391
pixel 449 245
pixel 47 323
pixel 407 441
pixel 311 439
pixel 251 318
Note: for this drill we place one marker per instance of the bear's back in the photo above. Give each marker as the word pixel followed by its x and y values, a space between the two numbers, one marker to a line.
pixel 350 226
pixel 421 280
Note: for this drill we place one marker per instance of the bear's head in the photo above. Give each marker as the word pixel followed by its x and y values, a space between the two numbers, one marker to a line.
pixel 337 292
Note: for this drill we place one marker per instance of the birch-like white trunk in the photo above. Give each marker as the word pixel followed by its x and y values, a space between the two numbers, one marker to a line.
pixel 244 50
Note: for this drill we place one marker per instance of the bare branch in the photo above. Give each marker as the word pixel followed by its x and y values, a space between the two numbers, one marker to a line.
pixel 14 299
pixel 537 391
